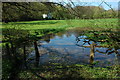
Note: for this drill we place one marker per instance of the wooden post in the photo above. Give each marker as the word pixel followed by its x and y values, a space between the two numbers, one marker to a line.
pixel 92 52
pixel 36 53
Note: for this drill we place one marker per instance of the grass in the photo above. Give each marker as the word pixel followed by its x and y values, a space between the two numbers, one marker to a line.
pixel 56 24
pixel 72 72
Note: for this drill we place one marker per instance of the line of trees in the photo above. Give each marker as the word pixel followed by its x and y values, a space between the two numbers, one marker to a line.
pixel 25 11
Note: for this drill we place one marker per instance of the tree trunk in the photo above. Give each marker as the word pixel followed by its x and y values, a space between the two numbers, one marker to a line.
pixel 16 64
pixel 24 50
pixel 8 51
pixel 36 53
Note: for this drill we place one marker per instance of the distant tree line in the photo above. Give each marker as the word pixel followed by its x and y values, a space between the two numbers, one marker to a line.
pixel 25 11
pixel 91 12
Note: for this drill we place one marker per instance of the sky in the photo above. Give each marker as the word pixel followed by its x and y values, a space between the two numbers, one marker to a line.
pixel 112 3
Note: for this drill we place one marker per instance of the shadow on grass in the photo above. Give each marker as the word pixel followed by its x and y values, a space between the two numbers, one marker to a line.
pixel 37 23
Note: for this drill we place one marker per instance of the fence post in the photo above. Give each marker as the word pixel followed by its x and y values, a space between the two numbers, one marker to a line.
pixel 92 52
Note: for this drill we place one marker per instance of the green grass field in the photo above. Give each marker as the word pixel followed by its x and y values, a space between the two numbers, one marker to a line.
pixel 57 24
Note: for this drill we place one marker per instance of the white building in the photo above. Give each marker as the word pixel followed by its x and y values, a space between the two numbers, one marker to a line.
pixel 49 16
pixel 44 16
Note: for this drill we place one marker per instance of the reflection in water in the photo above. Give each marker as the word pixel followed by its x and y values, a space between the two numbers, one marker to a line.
pixel 71 47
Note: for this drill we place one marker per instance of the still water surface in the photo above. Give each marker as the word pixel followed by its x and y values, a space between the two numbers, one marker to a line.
pixel 62 48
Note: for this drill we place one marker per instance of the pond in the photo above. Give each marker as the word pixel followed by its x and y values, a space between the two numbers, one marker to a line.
pixel 65 48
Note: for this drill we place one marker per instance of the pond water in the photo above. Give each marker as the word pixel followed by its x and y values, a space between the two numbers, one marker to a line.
pixel 64 48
